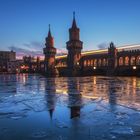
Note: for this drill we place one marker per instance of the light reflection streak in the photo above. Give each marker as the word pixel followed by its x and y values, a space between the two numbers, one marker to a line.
pixel 65 92
pixel 120 48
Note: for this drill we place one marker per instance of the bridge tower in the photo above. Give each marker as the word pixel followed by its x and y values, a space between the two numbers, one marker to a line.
pixel 74 47
pixel 49 52
pixel 112 59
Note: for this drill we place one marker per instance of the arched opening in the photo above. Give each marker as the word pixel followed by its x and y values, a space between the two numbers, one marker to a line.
pixel 126 61
pixel 138 60
pixel 91 62
pixel 95 62
pixel 104 62
pixel 132 60
pixel 85 63
pixel 88 62
pixel 99 62
pixel 120 61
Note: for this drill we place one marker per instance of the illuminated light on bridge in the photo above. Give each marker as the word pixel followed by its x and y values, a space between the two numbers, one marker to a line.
pixel 134 67
pixel 127 47
pixel 95 51
pixel 77 63
pixel 62 56
pixel 94 68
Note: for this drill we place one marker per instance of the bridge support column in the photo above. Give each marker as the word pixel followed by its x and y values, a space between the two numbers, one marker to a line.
pixel 50 52
pixel 112 60
pixel 74 47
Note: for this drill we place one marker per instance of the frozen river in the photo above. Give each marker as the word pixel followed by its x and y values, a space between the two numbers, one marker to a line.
pixel 33 107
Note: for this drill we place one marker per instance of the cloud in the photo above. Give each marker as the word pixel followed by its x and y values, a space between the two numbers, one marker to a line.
pixel 20 52
pixel 103 45
pixel 33 48
pixel 61 51
pixel 34 45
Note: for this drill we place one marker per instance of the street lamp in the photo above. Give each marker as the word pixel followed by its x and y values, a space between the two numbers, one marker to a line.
pixel 134 67
pixel 94 68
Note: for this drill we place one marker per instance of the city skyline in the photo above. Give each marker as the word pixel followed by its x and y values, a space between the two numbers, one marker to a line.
pixel 25 23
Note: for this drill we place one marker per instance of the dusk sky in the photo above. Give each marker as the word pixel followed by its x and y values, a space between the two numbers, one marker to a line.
pixel 24 23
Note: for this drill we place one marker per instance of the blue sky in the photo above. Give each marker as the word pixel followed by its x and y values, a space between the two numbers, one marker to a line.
pixel 24 23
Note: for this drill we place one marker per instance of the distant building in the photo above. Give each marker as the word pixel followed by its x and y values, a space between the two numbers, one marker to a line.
pixel 5 58
pixel 14 66
pixel 30 64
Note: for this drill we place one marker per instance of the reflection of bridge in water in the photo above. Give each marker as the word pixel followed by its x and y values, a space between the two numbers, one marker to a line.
pixel 77 91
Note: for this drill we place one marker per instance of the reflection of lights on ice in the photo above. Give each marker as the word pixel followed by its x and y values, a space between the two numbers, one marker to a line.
pixel 61 91
pixel 134 67
pixel 24 79
pixel 84 96
pixel 94 80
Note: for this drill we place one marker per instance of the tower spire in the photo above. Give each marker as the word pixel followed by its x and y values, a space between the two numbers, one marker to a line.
pixel 49 39
pixel 49 32
pixel 73 14
pixel 74 21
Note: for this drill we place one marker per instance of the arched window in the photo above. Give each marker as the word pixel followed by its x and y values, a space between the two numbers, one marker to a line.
pixel 132 60
pixel 120 61
pixel 138 60
pixel 104 62
pixel 88 62
pixel 91 62
pixel 99 62
pixel 85 63
pixel 126 61
pixel 95 62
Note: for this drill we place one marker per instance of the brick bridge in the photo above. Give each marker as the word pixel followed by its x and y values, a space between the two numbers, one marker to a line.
pixel 123 60
pixel 114 60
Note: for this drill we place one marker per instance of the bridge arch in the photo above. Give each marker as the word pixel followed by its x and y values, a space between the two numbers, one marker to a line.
pixel 88 62
pixel 132 60
pixel 121 61
pixel 85 63
pixel 126 61
pixel 99 62
pixel 95 62
pixel 138 60
pixel 104 62
pixel 91 62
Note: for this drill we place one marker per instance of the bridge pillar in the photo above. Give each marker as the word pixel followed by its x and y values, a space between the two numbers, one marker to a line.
pixel 74 47
pixel 50 53
pixel 112 59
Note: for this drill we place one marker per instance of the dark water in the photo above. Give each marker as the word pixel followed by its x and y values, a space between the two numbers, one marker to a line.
pixel 85 108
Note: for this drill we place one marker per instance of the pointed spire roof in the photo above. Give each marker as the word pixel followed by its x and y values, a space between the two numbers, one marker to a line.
pixel 49 39
pixel 74 21
pixel 49 32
